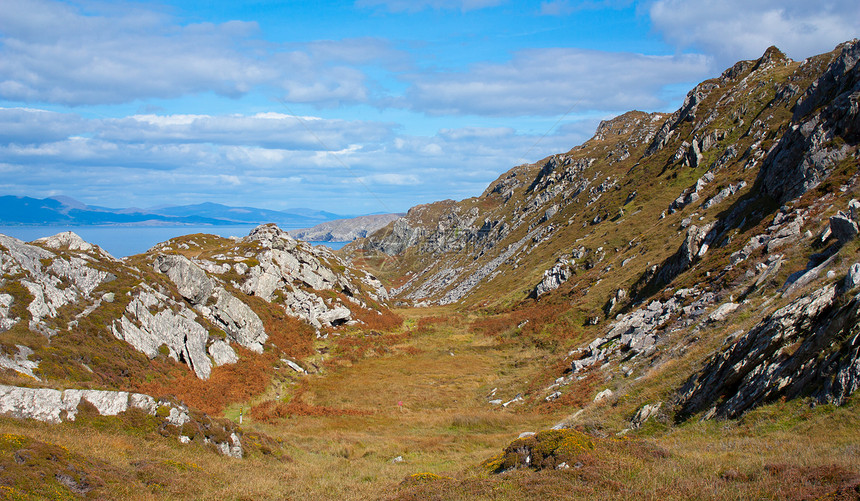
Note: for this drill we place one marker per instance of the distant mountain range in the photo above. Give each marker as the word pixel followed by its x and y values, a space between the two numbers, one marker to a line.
pixel 65 211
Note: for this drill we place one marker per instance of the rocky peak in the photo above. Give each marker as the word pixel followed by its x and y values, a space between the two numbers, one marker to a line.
pixel 772 56
pixel 271 237
pixel 825 127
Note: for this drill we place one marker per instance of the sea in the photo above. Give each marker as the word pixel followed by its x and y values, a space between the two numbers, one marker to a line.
pixel 122 241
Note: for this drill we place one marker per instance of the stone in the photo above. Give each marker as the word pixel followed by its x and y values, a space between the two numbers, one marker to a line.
pixel 272 237
pixel 222 353
pixel 68 240
pixel 191 280
pixel 852 279
pixel 234 448
pixel 843 227
pixel 336 316
pixel 552 279
pixel 6 322
pixel 41 404
pixel 107 403
pixel 20 362
pixel 645 413
pixel 177 330
pixel 603 395
pixel 178 417
pixel 804 155
pixel 722 312
pixel 294 366
pixel 854 210
pixel 54 406
pixel 552 396
pixel 143 402
pixel 238 320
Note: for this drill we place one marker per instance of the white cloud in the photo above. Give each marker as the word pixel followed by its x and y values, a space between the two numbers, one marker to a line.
pixel 267 130
pixel 733 30
pixel 419 5
pixel 30 126
pixel 390 178
pixel 53 52
pixel 151 159
pixel 547 82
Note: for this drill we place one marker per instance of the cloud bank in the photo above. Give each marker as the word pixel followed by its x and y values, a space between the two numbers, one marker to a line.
pixel 742 29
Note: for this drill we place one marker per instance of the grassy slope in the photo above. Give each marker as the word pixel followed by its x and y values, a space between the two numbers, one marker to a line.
pixel 442 372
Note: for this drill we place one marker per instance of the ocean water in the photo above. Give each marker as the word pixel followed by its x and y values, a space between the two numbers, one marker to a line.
pixel 122 241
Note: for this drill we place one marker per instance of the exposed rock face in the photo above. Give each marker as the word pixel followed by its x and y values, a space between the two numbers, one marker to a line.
pixel 809 347
pixel 695 246
pixel 285 267
pixel 843 227
pixel 730 130
pixel 225 310
pixel 401 237
pixel 193 283
pixel 52 279
pixel 20 361
pixel 6 321
pixel 237 319
pixel 852 279
pixel 826 122
pixel 179 332
pixel 56 406
pixel 345 230
pixel 222 353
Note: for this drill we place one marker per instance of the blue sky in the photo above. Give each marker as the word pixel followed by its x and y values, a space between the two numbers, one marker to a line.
pixel 355 106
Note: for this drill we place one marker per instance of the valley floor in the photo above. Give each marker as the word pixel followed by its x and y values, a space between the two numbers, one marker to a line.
pixel 407 415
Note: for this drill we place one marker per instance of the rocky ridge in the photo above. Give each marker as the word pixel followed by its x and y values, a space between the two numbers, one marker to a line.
pixel 183 300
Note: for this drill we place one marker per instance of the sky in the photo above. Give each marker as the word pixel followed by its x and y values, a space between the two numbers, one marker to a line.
pixel 352 106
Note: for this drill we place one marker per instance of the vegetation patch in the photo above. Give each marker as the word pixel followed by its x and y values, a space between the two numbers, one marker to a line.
pixel 546 449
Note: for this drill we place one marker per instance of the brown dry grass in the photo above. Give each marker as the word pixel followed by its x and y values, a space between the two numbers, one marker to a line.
pixel 336 436
pixel 226 385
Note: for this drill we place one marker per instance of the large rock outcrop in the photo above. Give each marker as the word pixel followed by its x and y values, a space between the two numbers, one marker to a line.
pixel 171 325
pixel 811 347
pixel 52 278
pixel 55 406
pixel 824 126
pixel 210 299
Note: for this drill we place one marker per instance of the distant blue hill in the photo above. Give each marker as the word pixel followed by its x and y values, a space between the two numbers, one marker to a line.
pixel 65 211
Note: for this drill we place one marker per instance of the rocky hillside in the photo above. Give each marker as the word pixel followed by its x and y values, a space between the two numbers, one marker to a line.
pixel 666 230
pixel 673 269
pixel 71 313
pixel 345 230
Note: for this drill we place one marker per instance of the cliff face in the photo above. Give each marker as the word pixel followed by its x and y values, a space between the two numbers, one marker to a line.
pixel 664 227
pixel 771 128
pixel 345 230
pixel 188 300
